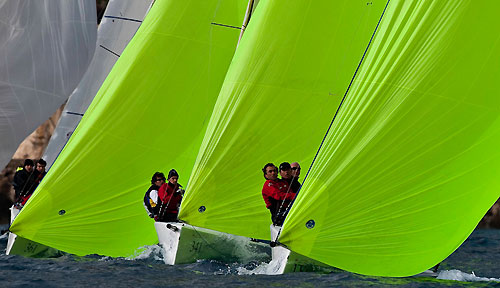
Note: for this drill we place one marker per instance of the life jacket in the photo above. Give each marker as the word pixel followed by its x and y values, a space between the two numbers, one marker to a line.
pixel 150 204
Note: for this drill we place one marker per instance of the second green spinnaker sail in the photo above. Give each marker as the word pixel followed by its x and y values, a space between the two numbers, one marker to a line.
pixel 289 73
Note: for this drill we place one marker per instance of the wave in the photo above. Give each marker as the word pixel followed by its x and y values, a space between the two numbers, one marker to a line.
pixel 458 275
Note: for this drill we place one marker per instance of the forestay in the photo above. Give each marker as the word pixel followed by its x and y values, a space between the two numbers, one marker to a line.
pixel 149 115
pixel 411 162
pixel 45 48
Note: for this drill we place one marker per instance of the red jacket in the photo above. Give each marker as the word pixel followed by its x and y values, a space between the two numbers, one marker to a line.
pixel 170 198
pixel 277 190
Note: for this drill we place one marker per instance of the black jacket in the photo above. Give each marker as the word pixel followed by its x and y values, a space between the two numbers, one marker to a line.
pixel 24 182
pixel 295 185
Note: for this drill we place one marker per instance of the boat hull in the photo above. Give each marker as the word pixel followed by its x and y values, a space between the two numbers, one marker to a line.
pixel 21 246
pixel 287 261
pixel 185 243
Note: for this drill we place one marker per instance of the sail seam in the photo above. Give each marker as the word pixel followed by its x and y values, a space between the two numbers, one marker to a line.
pixel 116 54
pixel 123 18
pixel 74 113
pixel 224 25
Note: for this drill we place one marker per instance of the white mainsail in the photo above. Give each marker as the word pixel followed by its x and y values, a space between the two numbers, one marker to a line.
pixel 45 47
pixel 121 20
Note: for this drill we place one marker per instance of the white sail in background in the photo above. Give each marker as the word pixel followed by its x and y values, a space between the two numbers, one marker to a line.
pixel 45 48
pixel 121 20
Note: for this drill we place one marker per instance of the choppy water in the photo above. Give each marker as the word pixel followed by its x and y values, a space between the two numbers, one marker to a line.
pixel 474 264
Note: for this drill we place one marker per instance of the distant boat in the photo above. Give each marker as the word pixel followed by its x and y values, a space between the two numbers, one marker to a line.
pixel 390 106
pixel 120 21
pixel 46 47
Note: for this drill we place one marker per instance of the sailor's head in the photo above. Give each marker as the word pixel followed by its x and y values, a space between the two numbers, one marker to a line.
pixel 270 171
pixel 158 179
pixel 28 165
pixel 285 170
pixel 40 165
pixel 173 176
pixel 295 170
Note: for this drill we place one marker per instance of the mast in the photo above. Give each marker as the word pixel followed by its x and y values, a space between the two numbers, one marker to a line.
pixel 248 15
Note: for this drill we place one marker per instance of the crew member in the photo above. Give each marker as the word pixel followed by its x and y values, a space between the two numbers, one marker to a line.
pixel 276 193
pixel 34 179
pixel 151 196
pixel 23 180
pixel 169 199
pixel 295 176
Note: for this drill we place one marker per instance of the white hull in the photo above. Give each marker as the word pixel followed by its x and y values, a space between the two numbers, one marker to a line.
pixel 185 243
pixel 287 261
pixel 22 246
pixel 12 237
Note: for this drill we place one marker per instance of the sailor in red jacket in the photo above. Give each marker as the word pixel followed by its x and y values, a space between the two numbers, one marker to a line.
pixel 276 193
pixel 169 199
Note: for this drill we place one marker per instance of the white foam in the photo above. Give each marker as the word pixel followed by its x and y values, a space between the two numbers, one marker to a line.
pixel 262 269
pixel 245 250
pixel 458 275
pixel 149 251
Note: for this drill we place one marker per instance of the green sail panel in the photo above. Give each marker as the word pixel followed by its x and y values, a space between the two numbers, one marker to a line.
pixel 290 72
pixel 411 162
pixel 149 115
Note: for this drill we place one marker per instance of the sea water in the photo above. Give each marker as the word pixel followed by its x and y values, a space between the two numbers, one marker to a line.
pixel 474 264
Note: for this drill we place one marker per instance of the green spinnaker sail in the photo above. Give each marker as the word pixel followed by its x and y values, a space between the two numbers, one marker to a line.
pixel 411 162
pixel 289 73
pixel 149 115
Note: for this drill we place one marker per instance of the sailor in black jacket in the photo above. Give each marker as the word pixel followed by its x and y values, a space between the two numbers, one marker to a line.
pixel 23 179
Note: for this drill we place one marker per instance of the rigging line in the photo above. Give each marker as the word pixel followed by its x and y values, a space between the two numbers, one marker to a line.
pixel 74 113
pixel 65 143
pixel 345 94
pixel 117 55
pixel 224 25
pixel 166 206
pixel 67 138
pixel 283 201
pixel 340 105
pixel 123 18
pixel 25 192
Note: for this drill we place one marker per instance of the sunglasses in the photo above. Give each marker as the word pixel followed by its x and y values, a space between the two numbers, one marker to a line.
pixel 295 168
pixel 159 180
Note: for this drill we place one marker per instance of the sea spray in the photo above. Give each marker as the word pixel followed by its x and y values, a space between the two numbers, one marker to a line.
pixel 155 252
pixel 458 275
